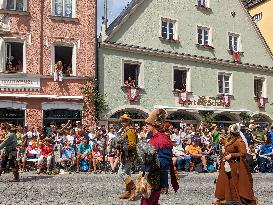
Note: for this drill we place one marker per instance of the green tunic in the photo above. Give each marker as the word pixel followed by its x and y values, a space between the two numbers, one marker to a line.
pixel 10 143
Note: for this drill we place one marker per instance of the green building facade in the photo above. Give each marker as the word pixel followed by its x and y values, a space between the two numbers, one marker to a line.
pixel 186 56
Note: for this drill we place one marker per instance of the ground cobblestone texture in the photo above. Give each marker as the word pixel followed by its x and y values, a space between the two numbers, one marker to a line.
pixel 103 189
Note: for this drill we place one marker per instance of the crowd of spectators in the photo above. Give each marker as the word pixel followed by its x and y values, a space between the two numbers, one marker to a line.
pixel 76 148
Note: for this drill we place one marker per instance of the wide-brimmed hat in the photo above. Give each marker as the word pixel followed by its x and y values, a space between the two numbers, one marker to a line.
pixel 157 118
pixel 125 117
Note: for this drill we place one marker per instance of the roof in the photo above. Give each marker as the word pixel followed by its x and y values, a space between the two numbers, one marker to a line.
pixel 122 15
pixel 130 9
pixel 251 3
pixel 161 52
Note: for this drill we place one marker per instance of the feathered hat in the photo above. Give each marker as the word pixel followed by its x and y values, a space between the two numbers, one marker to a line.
pixel 235 129
pixel 157 118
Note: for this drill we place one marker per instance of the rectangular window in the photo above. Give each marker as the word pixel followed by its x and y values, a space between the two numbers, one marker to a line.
pixel 14 57
pixel 224 83
pixel 203 36
pixel 257 17
pixel 202 3
pixel 180 80
pixel 258 87
pixel 131 74
pixel 63 59
pixel 233 42
pixel 17 5
pixel 168 29
pixel 63 8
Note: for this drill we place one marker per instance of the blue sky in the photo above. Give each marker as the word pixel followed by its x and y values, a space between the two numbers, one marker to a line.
pixel 114 9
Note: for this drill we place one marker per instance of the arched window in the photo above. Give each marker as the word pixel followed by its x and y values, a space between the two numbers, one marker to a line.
pixel 261 119
pixel 136 115
pixel 176 117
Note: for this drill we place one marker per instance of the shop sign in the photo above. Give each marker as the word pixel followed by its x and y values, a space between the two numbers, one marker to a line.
pixel 205 101
pixel 20 83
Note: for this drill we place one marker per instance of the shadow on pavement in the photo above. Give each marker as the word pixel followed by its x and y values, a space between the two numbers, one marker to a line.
pixel 34 178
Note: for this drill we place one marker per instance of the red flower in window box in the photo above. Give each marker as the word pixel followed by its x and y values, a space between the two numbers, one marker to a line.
pixel 261 102
pixel 133 94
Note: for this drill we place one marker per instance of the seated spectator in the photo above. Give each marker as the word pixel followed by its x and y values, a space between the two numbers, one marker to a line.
pixel 112 133
pixel 258 135
pixel 31 150
pixel 46 152
pixel 207 151
pixel 113 157
pixel 180 158
pixel 70 137
pixel 21 157
pixel 270 133
pixel 196 153
pixel 67 156
pixel 84 153
pixel 176 136
pixel 252 159
pixel 248 135
pixel 96 157
pixel 265 156
pixel 206 138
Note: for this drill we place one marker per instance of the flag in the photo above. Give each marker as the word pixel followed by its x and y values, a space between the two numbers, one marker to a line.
pixel 226 100
pixel 236 56
pixel 133 94
pixel 183 98
pixel 261 102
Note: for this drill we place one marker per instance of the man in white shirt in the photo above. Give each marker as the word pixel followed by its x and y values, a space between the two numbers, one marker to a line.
pixel 176 136
pixel 180 158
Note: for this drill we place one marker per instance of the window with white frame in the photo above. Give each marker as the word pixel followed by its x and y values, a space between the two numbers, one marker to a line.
pixel 224 83
pixel 14 53
pixel 17 5
pixel 64 60
pixel 259 87
pixel 234 42
pixel 168 29
pixel 64 8
pixel 131 74
pixel 180 79
pixel 203 36
pixel 203 3
pixel 257 17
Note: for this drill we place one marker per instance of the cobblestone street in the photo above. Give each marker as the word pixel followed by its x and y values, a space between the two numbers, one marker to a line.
pixel 104 189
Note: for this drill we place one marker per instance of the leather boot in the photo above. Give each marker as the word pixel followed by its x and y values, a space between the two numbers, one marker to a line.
pixel 126 194
pixel 16 175
pixel 132 188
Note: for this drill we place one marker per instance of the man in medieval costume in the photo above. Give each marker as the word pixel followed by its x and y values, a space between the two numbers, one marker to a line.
pixel 156 157
pixel 10 152
pixel 128 139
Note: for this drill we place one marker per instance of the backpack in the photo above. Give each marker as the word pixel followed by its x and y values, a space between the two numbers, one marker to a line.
pixel 84 166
